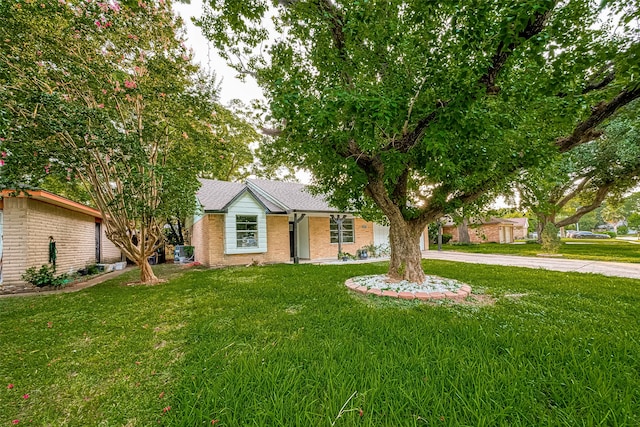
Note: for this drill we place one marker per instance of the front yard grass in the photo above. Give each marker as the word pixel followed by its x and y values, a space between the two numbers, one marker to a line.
pixel 290 345
pixel 591 249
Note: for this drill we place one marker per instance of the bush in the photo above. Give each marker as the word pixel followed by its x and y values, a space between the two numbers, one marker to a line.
pixel 44 276
pixel 550 239
pixel 611 234
pixel 623 230
pixel 377 251
pixel 93 269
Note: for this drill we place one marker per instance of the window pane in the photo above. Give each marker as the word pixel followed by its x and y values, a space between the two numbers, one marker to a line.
pixel 246 231
pixel 347 231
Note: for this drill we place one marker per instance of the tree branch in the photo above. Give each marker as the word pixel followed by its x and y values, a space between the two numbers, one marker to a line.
pixel 499 59
pixel 561 203
pixel 586 130
pixel 601 194
pixel 597 85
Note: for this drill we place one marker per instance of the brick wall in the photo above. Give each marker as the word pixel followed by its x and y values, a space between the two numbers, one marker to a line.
pixel 211 230
pixel 28 223
pixel 109 253
pixel 208 239
pixel 200 240
pixel 320 245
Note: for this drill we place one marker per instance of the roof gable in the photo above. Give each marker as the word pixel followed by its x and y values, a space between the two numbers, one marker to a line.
pixel 292 196
pixel 217 196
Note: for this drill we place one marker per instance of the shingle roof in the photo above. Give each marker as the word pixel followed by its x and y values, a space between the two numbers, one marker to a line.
pixel 215 195
pixel 291 195
pixel 494 220
pixel 276 196
pixel 520 222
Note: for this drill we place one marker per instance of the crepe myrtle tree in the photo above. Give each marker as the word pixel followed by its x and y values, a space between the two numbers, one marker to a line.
pixel 101 93
pixel 421 107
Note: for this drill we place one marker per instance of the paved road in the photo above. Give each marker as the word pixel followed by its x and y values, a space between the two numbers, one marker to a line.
pixel 618 269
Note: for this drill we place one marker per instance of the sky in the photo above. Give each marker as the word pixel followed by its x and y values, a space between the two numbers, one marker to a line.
pixel 231 88
pixel 205 54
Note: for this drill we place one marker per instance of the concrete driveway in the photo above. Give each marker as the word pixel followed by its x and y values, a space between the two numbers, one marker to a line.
pixel 606 268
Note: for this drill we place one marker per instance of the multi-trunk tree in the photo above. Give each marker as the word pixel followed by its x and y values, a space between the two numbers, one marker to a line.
pixel 103 93
pixel 420 108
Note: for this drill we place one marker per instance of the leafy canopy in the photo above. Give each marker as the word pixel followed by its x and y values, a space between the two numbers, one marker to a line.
pixel 105 93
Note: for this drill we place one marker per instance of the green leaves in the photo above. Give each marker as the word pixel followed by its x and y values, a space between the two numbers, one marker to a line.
pixel 440 102
pixel 105 94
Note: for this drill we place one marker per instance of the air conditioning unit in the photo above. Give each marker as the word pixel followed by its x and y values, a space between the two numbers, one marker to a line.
pixel 183 253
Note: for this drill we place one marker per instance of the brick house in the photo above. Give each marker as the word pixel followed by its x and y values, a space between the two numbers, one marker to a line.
pixel 273 222
pixel 520 227
pixel 26 222
pixel 491 230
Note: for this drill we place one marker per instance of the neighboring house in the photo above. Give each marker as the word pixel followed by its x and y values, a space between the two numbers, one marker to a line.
pixel 27 222
pixel 520 227
pixel 273 222
pixel 492 230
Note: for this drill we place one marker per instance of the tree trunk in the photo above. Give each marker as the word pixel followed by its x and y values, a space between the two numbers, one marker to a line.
pixel 406 258
pixel 543 220
pixel 134 245
pixel 146 273
pixel 463 231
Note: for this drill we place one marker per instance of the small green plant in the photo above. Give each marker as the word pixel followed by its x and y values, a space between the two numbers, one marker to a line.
pixel 44 276
pixel 345 256
pixel 377 251
pixel 623 230
pixel 550 240
pixel 611 234
pixel 92 269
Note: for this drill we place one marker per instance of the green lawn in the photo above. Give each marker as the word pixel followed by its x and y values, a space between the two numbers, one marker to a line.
pixel 290 345
pixel 602 250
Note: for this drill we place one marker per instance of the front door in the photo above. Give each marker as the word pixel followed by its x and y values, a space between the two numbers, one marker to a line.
pixel 291 242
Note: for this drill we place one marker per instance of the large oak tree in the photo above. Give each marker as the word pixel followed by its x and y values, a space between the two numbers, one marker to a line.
pixel 421 107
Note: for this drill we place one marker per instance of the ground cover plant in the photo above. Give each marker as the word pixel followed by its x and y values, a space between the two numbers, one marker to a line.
pixel 596 250
pixel 290 345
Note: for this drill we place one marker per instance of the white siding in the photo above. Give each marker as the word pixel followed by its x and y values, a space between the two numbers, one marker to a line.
pixel 245 205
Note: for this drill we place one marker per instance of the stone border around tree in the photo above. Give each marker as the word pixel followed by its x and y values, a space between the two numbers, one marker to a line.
pixel 462 293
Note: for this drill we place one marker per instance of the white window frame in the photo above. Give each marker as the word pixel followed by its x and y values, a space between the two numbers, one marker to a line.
pixel 247 238
pixel 333 231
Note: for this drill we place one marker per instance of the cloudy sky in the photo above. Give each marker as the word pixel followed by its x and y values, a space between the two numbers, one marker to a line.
pixel 232 88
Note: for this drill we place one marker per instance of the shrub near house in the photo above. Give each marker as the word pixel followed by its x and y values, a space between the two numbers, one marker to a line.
pixel 29 221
